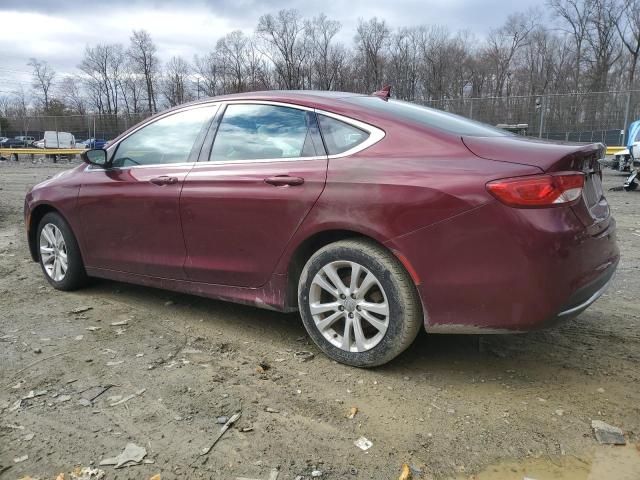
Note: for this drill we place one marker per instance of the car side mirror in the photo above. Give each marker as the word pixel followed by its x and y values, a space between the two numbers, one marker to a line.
pixel 96 157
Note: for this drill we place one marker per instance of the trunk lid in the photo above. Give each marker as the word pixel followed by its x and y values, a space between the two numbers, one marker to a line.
pixel 592 209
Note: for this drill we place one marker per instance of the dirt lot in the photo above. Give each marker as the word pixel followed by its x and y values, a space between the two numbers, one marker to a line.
pixel 451 407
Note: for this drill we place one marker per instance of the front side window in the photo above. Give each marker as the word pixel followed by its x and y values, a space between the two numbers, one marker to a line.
pixel 168 140
pixel 340 136
pixel 259 132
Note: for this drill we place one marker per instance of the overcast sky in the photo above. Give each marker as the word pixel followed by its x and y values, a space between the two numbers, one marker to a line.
pixel 58 30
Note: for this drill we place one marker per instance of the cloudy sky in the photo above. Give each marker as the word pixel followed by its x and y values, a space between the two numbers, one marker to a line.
pixel 58 30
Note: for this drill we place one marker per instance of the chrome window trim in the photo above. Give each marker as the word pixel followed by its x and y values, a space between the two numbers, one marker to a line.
pixel 92 168
pixel 375 134
pixel 149 121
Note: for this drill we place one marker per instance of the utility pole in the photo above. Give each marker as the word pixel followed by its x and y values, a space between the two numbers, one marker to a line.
pixel 542 109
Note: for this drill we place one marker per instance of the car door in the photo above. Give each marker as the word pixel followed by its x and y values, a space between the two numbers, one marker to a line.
pixel 266 169
pixel 130 212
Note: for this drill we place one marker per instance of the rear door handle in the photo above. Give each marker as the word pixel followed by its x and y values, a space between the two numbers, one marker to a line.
pixel 284 181
pixel 164 180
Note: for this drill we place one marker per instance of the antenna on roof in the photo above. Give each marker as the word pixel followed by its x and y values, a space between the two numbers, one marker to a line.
pixel 384 93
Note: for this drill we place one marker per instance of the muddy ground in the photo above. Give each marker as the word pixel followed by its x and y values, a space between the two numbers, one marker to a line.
pixel 450 407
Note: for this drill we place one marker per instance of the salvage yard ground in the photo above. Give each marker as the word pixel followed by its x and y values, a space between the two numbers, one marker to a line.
pixel 450 407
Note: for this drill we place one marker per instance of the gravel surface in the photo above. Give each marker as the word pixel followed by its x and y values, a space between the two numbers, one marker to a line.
pixel 174 364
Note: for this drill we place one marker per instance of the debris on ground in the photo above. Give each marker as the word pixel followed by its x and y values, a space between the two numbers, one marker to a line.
pixel 119 323
pixel 224 428
pixel 114 363
pixel 271 410
pixel 93 329
pixel 127 398
pixel 63 398
pixel 363 444
pixel 155 477
pixel 131 455
pixel 607 434
pixel 33 394
pixel 87 473
pixel 221 420
pixel 316 473
pixel 94 392
pixel 353 411
pixel 303 356
pixel 273 475
pixel 21 459
pixel 82 309
pixel 263 367
pixel 405 473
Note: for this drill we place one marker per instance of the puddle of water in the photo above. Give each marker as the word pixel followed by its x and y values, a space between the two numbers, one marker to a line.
pixel 604 463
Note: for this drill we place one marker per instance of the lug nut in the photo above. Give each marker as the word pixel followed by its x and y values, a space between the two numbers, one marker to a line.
pixel 341 308
pixel 342 296
pixel 353 295
pixel 358 307
pixel 351 315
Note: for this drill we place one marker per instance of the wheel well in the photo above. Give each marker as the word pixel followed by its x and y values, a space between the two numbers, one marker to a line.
pixel 34 220
pixel 304 252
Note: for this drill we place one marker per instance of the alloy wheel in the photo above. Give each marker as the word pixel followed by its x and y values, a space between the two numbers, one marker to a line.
pixel 53 252
pixel 349 306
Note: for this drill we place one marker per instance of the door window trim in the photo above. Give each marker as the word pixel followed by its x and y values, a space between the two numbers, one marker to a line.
pixel 196 149
pixel 375 134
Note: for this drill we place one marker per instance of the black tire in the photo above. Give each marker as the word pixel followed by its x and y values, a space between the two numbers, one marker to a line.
pixel 405 312
pixel 75 276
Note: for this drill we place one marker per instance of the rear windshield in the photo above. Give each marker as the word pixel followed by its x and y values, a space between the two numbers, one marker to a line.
pixel 429 117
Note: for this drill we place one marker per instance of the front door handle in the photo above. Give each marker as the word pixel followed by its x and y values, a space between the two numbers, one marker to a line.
pixel 164 180
pixel 284 181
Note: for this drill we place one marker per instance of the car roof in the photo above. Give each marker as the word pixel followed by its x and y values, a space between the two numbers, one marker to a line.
pixel 309 98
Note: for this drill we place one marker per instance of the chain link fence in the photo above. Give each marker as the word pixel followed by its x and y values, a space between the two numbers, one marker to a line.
pixel 82 127
pixel 581 117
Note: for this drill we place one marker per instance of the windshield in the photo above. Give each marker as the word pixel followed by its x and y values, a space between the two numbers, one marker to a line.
pixel 429 117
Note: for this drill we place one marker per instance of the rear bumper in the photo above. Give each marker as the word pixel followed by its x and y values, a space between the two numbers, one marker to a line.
pixel 585 296
pixel 497 269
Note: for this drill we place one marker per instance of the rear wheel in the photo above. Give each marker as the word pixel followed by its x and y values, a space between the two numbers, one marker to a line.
pixel 59 253
pixel 358 303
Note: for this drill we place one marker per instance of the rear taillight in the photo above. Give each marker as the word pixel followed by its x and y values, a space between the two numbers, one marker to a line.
pixel 536 191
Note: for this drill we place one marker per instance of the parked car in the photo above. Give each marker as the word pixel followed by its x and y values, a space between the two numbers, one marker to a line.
pixel 372 217
pixel 95 143
pixel 21 141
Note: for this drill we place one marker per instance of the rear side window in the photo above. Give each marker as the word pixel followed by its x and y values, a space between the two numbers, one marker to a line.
pixel 340 136
pixel 429 117
pixel 261 132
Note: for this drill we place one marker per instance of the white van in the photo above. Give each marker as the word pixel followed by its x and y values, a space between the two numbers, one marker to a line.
pixel 57 140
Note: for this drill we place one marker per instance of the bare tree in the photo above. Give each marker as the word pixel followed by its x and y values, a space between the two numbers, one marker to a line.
pixel 326 58
pixel 43 77
pixel 283 40
pixel 70 91
pixel 503 44
pixel 103 66
pixel 176 86
pixel 603 42
pixel 628 27
pixel 143 54
pixel 232 53
pixel 371 41
pixel 576 15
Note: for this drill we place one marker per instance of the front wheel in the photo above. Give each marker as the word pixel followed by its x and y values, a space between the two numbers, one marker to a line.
pixel 358 303
pixel 59 253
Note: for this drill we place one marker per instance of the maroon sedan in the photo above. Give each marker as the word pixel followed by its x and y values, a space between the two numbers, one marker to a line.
pixel 370 216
